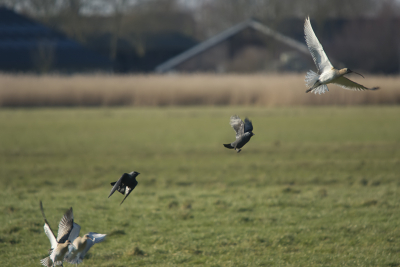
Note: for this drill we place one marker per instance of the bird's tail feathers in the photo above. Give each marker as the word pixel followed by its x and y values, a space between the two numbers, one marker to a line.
pixel 311 78
pixel 319 90
pixel 46 262
pixel 228 146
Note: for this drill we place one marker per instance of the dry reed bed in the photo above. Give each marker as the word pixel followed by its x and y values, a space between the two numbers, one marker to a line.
pixel 196 89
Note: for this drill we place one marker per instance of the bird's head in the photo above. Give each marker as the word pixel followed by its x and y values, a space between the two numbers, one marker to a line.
pixel 347 71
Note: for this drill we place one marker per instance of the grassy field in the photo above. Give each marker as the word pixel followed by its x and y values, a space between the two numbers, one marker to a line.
pixel 267 90
pixel 316 186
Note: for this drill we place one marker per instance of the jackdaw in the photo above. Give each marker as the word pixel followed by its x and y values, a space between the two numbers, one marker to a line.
pixel 243 132
pixel 125 184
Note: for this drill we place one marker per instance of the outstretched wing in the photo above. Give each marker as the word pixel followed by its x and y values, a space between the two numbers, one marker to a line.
pixel 65 226
pixel 238 125
pixel 47 230
pixel 314 46
pixel 97 238
pixel 117 184
pixel 75 232
pixel 350 85
pixel 248 126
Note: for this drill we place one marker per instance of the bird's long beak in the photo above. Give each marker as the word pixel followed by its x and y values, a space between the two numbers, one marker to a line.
pixel 357 73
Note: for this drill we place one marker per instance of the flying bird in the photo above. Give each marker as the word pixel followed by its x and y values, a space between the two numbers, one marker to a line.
pixel 81 245
pixel 243 132
pixel 125 184
pixel 59 246
pixel 326 72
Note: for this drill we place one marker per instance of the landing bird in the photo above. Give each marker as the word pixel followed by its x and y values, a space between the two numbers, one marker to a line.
pixel 125 184
pixel 326 72
pixel 59 246
pixel 81 245
pixel 243 132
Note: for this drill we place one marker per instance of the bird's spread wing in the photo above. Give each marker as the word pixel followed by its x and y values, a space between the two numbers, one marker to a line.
pixel 314 46
pixel 65 226
pixel 97 238
pixel 117 184
pixel 350 85
pixel 47 230
pixel 238 125
pixel 74 233
pixel 50 235
pixel 248 126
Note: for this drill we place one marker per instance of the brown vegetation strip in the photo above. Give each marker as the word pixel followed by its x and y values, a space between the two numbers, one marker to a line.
pixel 196 89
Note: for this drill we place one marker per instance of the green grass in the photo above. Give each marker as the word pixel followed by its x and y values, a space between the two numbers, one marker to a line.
pixel 316 186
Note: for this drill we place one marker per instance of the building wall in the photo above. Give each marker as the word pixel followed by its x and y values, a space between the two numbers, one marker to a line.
pixel 248 51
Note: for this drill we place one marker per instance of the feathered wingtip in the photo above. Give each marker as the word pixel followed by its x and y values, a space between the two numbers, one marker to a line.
pixel 235 120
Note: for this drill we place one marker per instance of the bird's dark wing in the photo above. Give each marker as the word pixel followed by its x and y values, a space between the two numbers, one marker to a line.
pixel 248 126
pixel 132 183
pixel 65 226
pixel 117 184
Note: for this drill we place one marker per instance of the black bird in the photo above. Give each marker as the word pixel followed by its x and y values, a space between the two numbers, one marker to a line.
pixel 243 132
pixel 125 184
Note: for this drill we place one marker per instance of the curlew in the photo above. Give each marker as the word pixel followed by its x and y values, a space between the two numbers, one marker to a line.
pixel 326 72
pixel 243 132
pixel 59 246
pixel 125 184
pixel 81 245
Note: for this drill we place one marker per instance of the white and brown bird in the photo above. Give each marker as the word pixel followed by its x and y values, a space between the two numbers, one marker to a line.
pixel 81 245
pixel 316 82
pixel 59 245
pixel 244 131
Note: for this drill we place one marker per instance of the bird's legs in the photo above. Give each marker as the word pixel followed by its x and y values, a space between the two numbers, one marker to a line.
pixel 238 150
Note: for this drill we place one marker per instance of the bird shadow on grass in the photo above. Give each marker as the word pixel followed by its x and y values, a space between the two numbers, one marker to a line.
pixel 117 233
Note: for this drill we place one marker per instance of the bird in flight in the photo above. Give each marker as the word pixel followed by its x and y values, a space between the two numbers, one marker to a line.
pixel 125 184
pixel 243 132
pixel 81 245
pixel 59 246
pixel 316 82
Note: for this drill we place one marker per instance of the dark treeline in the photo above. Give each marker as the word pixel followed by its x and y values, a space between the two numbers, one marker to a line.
pixel 365 34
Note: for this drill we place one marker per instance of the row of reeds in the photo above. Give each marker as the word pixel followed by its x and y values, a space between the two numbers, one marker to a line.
pixel 196 89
